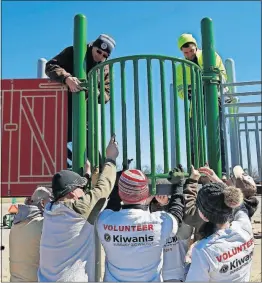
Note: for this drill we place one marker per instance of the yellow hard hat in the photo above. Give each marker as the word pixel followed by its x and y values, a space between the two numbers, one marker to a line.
pixel 185 38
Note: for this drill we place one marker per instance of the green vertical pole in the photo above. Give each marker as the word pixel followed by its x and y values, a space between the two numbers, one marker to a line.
pixel 112 100
pixel 164 118
pixel 91 122
pixel 151 125
pixel 200 114
pixel 195 126
pixel 79 105
pixel 124 114
pixel 211 95
pixel 187 124
pixel 176 114
pixel 137 115
pixel 203 117
pixel 96 126
pixel 103 114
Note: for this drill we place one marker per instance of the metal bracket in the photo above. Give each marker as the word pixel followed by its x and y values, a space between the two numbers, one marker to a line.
pixel 211 79
pixel 214 69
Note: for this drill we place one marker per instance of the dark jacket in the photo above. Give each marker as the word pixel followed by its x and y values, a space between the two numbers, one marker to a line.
pixel 62 66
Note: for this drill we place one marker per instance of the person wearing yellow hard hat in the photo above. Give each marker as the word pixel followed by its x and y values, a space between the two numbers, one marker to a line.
pixel 188 46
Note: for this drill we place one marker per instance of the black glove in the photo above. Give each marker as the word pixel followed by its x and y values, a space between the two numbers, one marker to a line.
pixel 189 93
pixel 177 176
pixel 177 201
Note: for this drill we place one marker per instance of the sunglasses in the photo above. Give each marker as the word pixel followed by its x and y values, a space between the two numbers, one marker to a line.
pixel 102 53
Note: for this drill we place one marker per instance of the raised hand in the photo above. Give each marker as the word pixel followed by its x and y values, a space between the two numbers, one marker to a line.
pixel 112 148
pixel 206 170
pixel 195 175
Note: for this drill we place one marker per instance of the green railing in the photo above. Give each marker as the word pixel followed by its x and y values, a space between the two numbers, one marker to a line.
pixel 96 78
pixel 199 143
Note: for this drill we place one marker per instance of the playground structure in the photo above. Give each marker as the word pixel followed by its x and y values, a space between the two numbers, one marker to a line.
pixel 22 105
pixel 210 80
pixel 47 149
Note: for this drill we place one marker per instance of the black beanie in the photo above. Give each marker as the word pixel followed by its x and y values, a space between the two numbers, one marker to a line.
pixel 105 43
pixel 65 182
pixel 216 201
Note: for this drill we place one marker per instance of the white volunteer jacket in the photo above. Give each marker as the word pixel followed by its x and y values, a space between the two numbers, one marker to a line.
pixel 66 247
pixel 226 255
pixel 175 251
pixel 133 240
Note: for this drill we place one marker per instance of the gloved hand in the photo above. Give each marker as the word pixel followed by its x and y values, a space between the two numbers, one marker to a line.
pixel 177 176
pixel 177 202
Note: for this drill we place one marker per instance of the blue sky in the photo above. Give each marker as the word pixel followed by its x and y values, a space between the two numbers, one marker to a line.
pixel 31 30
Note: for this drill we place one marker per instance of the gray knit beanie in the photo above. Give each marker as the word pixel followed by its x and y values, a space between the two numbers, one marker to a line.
pixel 105 42
pixel 216 201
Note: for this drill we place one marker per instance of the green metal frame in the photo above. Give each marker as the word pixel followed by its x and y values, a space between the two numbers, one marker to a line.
pixel 198 118
pixel 210 75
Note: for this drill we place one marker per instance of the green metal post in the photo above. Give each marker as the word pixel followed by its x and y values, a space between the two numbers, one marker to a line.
pixel 112 100
pixel 203 118
pixel 103 115
pixel 79 105
pixel 151 125
pixel 211 95
pixel 137 115
pixel 96 125
pixel 91 122
pixel 176 114
pixel 124 114
pixel 164 118
pixel 195 126
pixel 200 115
pixel 187 124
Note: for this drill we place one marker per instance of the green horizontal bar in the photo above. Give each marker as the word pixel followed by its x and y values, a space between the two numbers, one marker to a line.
pixel 162 176
pixel 142 57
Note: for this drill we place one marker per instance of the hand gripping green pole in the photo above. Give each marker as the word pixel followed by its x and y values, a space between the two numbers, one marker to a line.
pixel 211 96
pixel 79 105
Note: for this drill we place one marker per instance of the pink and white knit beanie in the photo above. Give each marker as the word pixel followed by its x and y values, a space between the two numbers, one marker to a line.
pixel 133 186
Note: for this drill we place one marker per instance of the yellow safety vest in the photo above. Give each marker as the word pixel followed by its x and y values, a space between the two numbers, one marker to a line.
pixel 179 72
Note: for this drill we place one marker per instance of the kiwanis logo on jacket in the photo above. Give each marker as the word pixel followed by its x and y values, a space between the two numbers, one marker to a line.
pixel 237 258
pixel 122 239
